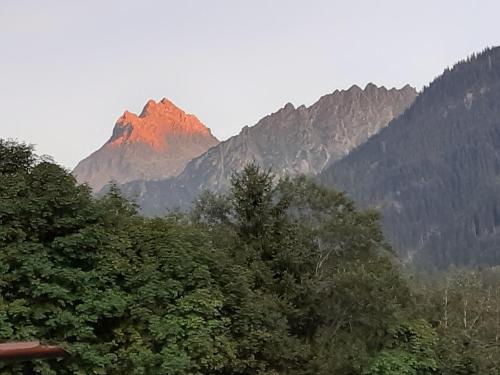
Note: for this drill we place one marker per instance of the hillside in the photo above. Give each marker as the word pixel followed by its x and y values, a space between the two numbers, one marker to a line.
pixel 435 171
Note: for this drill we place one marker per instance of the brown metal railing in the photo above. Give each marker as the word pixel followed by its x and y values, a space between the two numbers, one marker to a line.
pixel 24 351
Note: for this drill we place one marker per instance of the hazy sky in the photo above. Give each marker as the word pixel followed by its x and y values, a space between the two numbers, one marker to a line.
pixel 68 69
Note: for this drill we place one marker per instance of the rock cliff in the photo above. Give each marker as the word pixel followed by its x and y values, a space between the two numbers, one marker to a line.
pixel 157 144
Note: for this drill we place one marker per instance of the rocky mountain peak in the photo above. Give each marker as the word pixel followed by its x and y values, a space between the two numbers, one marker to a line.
pixel 160 108
pixel 354 89
pixel 372 86
pixel 156 124
pixel 155 144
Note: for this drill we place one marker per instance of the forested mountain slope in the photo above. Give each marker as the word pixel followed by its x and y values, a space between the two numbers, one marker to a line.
pixel 435 171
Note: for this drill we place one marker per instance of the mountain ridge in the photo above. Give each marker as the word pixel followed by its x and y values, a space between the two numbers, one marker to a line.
pixel 301 140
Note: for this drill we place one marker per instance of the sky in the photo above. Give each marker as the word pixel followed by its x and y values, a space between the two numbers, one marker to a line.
pixel 69 68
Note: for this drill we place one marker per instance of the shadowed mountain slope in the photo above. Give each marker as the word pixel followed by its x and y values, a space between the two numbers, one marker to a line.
pixel 435 171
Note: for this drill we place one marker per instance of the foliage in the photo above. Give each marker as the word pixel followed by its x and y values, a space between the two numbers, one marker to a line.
pixel 274 277
pixel 411 351
pixel 322 265
pixel 464 306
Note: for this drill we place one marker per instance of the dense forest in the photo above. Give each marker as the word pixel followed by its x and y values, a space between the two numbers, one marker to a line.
pixel 274 277
pixel 434 171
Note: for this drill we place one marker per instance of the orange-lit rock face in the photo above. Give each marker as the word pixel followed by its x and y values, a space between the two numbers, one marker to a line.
pixel 157 123
pixel 156 144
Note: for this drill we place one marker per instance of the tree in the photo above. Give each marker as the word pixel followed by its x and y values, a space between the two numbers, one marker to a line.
pixel 52 240
pixel 464 306
pixel 411 351
pixel 275 277
pixel 15 157
pixel 320 272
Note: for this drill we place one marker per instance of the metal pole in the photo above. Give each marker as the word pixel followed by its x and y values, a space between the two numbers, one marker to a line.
pixel 24 351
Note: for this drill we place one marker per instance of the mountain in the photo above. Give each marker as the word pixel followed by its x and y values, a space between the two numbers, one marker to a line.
pixel 290 141
pixel 435 171
pixel 156 144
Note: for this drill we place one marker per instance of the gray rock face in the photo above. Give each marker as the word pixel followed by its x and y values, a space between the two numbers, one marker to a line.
pixel 301 140
pixel 435 170
pixel 154 145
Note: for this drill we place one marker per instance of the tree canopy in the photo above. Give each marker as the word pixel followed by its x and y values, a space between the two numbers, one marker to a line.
pixel 274 277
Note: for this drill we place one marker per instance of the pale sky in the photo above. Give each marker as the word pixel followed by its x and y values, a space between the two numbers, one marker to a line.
pixel 68 69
